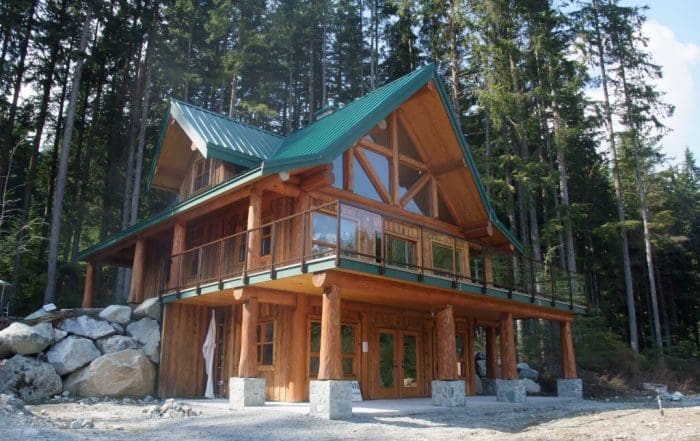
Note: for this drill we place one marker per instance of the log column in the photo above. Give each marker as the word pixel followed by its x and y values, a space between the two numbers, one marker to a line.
pixel 248 363
pixel 509 369
pixel 137 272
pixel 297 374
pixel 254 232
pixel 447 348
pixel 568 359
pixel 178 248
pixel 491 355
pixel 330 365
pixel 89 288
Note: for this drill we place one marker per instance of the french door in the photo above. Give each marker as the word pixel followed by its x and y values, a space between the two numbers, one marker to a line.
pixel 399 364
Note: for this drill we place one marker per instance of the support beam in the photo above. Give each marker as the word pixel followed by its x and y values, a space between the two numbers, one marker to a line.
pixel 248 363
pixel 89 289
pixel 509 369
pixel 137 272
pixel 297 367
pixel 568 359
pixel 479 231
pixel 265 295
pixel 330 366
pixel 318 180
pixel 447 349
pixel 254 232
pixel 491 355
pixel 178 248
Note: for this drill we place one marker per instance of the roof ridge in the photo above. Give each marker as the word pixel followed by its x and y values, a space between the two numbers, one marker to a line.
pixel 235 121
pixel 377 90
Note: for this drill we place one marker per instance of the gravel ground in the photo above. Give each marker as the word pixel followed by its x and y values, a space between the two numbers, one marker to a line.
pixel 538 419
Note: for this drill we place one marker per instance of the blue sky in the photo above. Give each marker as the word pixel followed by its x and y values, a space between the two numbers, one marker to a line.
pixel 673 29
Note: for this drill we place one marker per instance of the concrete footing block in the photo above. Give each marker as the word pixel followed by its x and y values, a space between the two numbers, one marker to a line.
pixel 448 393
pixel 246 392
pixel 570 388
pixel 331 399
pixel 511 391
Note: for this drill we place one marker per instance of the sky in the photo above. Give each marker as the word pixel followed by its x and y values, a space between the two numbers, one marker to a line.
pixel 673 30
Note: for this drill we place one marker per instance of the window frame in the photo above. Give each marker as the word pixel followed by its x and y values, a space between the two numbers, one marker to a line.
pixel 195 175
pixel 261 343
pixel 354 356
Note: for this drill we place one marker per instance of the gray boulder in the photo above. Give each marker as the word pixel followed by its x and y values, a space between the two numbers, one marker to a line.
pixel 116 313
pixel 147 332
pixel 123 373
pixel 85 326
pixel 72 353
pixel 525 371
pixel 531 387
pixel 116 343
pixel 149 308
pixel 117 327
pixel 480 355
pixel 58 335
pixel 481 368
pixel 19 338
pixel 29 379
pixel 479 386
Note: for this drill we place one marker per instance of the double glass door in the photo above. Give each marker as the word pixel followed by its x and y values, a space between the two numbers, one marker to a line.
pixel 399 364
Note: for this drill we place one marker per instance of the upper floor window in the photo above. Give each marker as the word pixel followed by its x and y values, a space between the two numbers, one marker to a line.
pixel 401 252
pixel 201 174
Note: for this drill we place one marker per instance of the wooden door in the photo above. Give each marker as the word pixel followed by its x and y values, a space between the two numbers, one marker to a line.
pixel 399 364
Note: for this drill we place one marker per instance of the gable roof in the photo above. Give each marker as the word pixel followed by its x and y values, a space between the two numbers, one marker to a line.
pixel 323 140
pixel 218 136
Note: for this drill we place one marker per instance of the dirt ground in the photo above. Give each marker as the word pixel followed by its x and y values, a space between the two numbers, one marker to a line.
pixel 537 419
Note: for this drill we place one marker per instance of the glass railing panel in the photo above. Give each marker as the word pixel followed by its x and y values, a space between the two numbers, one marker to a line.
pixel 234 255
pixel 360 233
pixel 286 237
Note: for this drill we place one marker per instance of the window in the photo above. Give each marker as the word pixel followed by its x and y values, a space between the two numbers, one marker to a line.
pixel 201 174
pixel 265 342
pixel 266 241
pixel 476 256
pixel 462 368
pixel 348 346
pixel 381 166
pixel 362 185
pixel 338 172
pixel 323 232
pixel 442 257
pixel 420 204
pixel 400 252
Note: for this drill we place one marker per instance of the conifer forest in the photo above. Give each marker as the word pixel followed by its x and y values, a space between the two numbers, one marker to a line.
pixel 581 182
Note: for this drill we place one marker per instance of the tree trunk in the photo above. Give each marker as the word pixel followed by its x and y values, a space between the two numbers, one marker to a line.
pixel 50 293
pixel 607 110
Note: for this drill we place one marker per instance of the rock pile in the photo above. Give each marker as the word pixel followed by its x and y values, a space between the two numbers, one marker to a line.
pixel 525 372
pixel 171 409
pixel 109 354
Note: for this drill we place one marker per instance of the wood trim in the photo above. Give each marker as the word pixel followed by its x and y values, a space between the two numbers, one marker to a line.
pixel 394 141
pixel 349 169
pixel 434 210
pixel 248 363
pixel 318 180
pixel 509 369
pixel 377 148
pixel 568 358
pixel 179 230
pixel 330 363
pixel 137 272
pixel 254 233
pixel 414 139
pixel 415 189
pixel 485 230
pixel 376 181
pixel 89 288
pixel 298 356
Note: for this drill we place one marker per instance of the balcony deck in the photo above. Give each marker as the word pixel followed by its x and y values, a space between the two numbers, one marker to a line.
pixel 223 265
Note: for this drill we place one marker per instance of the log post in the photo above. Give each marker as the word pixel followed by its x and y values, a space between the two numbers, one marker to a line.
pixel 302 205
pixel 491 355
pixel 248 363
pixel 471 363
pixel 568 359
pixel 447 347
pixel 330 365
pixel 254 232
pixel 137 272
pixel 178 248
pixel 509 369
pixel 297 375
pixel 488 270
pixel 89 288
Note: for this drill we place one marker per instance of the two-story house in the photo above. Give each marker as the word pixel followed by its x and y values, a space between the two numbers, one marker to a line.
pixel 360 247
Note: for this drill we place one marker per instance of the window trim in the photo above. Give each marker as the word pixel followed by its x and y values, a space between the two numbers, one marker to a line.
pixel 195 175
pixel 261 343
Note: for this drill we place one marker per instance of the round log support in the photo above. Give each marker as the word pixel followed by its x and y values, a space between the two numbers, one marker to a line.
pixel 248 363
pixel 447 348
pixel 568 359
pixel 330 366
pixel 509 369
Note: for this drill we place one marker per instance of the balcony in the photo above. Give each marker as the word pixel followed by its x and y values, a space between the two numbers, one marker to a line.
pixel 347 236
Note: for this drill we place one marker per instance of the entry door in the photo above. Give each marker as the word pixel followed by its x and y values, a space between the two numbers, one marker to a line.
pixel 399 364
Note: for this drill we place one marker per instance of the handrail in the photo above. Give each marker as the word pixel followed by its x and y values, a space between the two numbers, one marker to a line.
pixel 520 273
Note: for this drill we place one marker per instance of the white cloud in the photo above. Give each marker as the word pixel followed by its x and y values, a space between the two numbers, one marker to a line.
pixel 680 62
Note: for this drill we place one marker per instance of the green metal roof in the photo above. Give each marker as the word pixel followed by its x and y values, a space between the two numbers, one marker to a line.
pixel 329 136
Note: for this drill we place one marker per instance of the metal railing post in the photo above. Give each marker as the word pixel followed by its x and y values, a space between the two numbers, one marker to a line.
pixel 273 230
pixel 305 217
pixel 337 236
pixel 533 286
pixel 483 269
